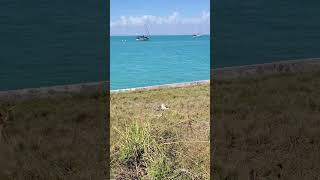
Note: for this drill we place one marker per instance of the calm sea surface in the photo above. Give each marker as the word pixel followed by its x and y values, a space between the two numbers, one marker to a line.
pixel 261 31
pixel 163 59
pixel 46 43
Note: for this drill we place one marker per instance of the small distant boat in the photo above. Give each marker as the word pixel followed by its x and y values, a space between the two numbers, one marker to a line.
pixel 144 37
pixel 197 32
pixel 196 35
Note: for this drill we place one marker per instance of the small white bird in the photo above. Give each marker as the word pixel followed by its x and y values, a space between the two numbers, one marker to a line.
pixel 164 107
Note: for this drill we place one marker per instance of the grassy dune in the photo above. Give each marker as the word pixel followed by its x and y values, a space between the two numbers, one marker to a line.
pixel 265 128
pixel 53 138
pixel 268 127
pixel 148 142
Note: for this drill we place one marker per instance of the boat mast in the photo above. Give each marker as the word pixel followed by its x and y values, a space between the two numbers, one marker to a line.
pixel 147 30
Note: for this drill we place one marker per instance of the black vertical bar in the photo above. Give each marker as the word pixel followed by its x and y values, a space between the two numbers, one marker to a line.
pixel 212 140
pixel 107 120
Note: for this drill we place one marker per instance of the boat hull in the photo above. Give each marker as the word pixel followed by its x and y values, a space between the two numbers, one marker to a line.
pixel 142 38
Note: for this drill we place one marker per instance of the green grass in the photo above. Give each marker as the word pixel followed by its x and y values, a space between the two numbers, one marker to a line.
pixel 134 141
pixel 53 138
pixel 140 151
pixel 268 126
pixel 148 143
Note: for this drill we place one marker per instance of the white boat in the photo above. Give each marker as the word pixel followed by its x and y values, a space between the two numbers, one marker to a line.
pixel 196 35
pixel 144 37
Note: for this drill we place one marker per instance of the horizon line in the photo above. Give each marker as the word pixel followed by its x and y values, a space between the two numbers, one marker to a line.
pixel 159 35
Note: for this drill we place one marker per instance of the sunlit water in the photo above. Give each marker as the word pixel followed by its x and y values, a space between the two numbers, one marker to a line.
pixel 162 60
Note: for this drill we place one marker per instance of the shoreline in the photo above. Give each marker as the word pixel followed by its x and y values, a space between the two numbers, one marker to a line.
pixel 43 92
pixel 234 72
pixel 162 86
pixel 288 66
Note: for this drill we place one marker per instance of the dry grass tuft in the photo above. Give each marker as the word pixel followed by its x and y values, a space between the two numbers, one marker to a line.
pixel 6 117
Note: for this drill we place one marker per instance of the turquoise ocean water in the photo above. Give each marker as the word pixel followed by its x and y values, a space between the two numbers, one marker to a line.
pixel 264 31
pixel 162 60
pixel 47 43
pixel 52 43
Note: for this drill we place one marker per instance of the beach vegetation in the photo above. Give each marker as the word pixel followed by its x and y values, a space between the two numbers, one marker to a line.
pixel 160 134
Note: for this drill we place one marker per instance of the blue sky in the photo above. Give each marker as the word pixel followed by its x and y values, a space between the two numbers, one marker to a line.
pixel 163 17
